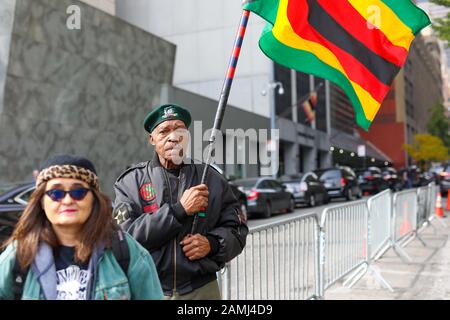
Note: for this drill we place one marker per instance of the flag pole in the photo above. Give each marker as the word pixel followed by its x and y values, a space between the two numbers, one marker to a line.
pixel 224 97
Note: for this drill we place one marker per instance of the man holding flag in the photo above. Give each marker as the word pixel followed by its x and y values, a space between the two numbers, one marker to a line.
pixel 156 202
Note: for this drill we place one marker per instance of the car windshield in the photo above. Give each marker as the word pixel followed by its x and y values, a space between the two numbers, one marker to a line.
pixel 330 175
pixel 291 178
pixel 245 183
pixel 437 169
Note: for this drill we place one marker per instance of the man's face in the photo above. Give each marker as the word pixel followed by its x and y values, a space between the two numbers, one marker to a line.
pixel 170 139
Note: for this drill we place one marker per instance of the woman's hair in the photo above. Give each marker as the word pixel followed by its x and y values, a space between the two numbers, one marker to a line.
pixel 33 227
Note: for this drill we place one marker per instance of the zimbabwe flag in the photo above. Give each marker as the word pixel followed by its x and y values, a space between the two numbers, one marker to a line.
pixel 360 45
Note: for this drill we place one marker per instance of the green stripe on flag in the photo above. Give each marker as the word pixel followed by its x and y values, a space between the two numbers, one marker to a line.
pixel 266 9
pixel 411 15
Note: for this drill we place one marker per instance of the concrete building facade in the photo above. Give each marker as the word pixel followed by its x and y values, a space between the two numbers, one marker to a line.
pixel 406 110
pixel 87 90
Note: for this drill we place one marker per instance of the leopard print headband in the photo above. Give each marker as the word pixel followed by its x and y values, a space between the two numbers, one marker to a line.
pixel 68 171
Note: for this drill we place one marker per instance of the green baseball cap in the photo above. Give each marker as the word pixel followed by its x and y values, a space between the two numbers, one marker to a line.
pixel 166 112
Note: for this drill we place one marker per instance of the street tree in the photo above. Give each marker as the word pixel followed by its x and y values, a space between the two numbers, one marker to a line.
pixel 438 124
pixel 442 25
pixel 425 149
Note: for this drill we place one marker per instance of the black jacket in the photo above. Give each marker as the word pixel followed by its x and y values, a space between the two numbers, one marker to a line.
pixel 147 208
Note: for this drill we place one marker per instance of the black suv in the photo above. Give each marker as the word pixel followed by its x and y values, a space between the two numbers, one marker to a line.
pixel 340 182
pixel 306 188
pixel 371 180
pixel 393 179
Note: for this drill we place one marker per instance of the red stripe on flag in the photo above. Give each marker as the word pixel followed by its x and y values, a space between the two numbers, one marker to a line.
pixel 230 73
pixel 356 71
pixel 355 24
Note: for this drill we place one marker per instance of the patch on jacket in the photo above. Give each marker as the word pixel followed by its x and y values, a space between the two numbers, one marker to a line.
pixel 151 208
pixel 147 192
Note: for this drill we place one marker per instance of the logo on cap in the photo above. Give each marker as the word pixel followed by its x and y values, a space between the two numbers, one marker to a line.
pixel 169 112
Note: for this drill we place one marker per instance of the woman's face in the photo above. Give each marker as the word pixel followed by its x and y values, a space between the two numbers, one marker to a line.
pixel 65 211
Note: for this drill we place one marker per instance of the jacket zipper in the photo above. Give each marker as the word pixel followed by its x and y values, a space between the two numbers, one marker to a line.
pixel 174 240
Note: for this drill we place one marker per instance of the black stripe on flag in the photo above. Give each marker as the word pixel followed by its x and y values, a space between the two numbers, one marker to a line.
pixel 335 33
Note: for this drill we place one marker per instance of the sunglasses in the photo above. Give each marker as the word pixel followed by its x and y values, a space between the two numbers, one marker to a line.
pixel 75 194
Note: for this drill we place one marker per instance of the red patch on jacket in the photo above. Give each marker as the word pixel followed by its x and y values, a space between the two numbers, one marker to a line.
pixel 151 208
pixel 147 192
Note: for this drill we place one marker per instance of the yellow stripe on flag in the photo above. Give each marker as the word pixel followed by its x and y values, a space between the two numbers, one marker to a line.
pixel 284 33
pixel 386 20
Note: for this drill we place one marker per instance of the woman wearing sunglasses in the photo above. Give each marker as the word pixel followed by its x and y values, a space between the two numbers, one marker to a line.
pixel 63 243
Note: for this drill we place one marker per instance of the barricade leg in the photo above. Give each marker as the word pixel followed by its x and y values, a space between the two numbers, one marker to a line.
pixel 416 235
pixel 432 226
pixel 401 253
pixel 407 240
pixel 356 275
pixel 382 251
pixel 380 278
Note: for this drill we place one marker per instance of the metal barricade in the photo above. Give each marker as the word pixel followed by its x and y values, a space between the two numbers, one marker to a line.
pixel 300 258
pixel 404 221
pixel 423 194
pixel 280 261
pixel 379 228
pixel 343 241
pixel 433 190
pixel 404 214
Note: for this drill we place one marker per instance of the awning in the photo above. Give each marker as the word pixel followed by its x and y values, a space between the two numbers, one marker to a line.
pixel 348 142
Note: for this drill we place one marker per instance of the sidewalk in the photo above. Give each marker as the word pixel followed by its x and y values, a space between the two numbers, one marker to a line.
pixel 427 277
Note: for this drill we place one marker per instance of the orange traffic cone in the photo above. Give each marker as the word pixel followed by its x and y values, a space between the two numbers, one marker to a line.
pixel 447 207
pixel 439 210
pixel 406 226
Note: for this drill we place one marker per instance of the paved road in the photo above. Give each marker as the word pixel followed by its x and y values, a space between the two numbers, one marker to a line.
pixel 256 221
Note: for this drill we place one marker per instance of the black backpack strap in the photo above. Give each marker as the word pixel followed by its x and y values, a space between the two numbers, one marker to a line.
pixel 120 250
pixel 19 277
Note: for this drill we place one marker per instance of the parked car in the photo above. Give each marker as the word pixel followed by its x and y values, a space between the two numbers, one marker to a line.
pixel 371 180
pixel 240 195
pixel 425 178
pixel 266 196
pixel 391 176
pixel 306 188
pixel 340 182
pixel 436 171
pixel 12 204
pixel 444 180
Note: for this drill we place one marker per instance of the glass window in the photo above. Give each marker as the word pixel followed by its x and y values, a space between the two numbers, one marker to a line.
pixel 275 184
pixel 246 183
pixel 24 196
pixel 331 174
pixel 264 185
